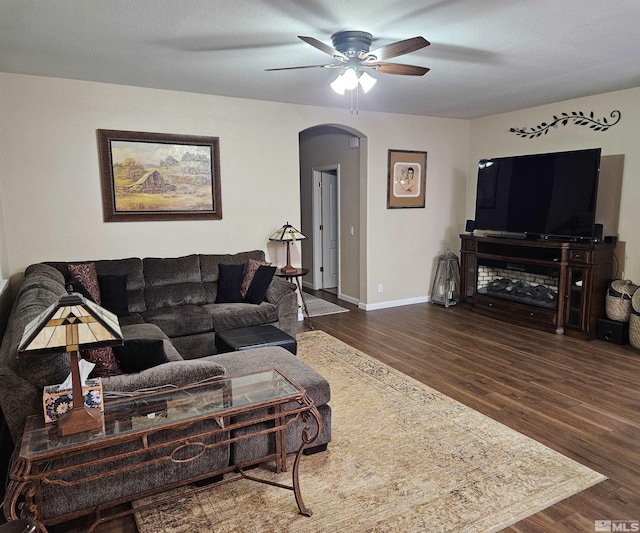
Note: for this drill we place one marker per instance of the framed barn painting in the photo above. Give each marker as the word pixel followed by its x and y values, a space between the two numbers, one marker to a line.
pixel 407 179
pixel 159 176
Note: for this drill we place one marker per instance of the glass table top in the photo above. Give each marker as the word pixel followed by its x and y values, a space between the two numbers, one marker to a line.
pixel 221 396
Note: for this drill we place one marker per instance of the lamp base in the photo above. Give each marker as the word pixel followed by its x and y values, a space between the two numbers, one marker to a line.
pixel 79 420
pixel 288 269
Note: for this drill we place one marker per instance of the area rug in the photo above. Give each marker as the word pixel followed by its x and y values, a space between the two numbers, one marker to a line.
pixel 319 307
pixel 403 457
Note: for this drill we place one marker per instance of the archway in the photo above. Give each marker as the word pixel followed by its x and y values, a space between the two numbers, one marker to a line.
pixel 327 149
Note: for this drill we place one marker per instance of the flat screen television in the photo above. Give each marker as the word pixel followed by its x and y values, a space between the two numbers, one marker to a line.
pixel 548 196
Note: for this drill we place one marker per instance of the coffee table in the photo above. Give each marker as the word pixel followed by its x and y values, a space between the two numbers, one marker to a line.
pixel 154 431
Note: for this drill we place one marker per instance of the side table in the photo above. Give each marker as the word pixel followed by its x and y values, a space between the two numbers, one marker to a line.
pixel 290 276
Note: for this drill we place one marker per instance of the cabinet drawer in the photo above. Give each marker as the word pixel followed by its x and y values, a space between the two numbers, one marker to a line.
pixel 469 245
pixel 579 256
pixel 515 311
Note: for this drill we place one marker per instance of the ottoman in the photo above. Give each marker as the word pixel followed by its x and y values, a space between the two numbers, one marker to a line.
pixel 233 340
pixel 317 387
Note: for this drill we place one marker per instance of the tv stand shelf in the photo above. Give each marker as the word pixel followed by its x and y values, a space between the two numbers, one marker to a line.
pixel 555 286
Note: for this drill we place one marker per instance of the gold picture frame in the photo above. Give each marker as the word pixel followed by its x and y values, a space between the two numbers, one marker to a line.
pixel 159 176
pixel 407 179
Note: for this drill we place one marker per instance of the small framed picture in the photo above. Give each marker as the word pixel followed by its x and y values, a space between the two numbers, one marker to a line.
pixel 407 179
pixel 159 176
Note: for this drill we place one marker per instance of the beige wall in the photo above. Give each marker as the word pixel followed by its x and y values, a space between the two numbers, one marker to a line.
pixel 50 203
pixel 403 244
pixel 50 186
pixel 490 137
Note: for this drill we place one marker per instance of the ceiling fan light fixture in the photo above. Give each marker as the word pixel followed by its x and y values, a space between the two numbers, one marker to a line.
pixel 350 79
pixel 366 82
pixel 338 84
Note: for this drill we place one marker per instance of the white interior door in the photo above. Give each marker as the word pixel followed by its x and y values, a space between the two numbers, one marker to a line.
pixel 329 230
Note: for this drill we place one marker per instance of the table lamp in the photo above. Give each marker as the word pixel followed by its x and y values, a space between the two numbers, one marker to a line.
pixel 71 324
pixel 287 234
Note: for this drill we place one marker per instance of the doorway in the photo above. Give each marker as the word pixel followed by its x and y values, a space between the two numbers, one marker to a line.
pixel 326 228
pixel 336 155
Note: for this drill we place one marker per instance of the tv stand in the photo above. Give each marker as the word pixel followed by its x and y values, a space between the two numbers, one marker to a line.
pixel 555 286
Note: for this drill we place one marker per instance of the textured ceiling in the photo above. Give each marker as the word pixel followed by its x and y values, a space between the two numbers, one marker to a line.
pixel 486 56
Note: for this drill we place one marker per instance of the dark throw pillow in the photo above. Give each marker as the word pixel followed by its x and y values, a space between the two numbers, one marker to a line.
pixel 113 292
pixel 136 355
pixel 259 284
pixel 250 271
pixel 229 284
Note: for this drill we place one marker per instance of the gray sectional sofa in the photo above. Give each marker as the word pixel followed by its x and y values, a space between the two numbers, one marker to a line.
pixel 178 295
pixel 171 299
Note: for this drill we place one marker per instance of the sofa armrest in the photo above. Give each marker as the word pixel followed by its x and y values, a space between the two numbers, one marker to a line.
pixel 284 296
pixel 278 289
pixel 176 373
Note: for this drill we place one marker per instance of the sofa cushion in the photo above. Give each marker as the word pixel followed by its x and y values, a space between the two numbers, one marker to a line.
pixel 170 271
pixel 52 281
pixel 260 359
pixel 180 319
pixel 172 295
pixel 144 330
pixel 175 373
pixel 259 284
pixel 131 318
pixel 172 281
pixel 136 355
pixel 43 270
pixel 230 283
pixel 238 315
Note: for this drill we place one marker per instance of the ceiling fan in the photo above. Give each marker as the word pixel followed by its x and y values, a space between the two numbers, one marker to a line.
pixel 351 51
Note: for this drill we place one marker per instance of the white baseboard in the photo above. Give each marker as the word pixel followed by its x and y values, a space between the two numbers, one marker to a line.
pixel 349 299
pixel 395 303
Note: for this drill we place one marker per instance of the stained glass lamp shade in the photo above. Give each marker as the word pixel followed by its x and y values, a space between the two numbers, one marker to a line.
pixel 287 234
pixel 71 324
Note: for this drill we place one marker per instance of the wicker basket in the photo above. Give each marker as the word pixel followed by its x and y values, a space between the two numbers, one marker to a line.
pixel 634 330
pixel 618 301
pixel 635 302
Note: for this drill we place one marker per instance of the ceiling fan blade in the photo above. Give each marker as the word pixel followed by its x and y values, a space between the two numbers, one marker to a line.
pixel 322 47
pixel 332 65
pixel 399 68
pixel 398 48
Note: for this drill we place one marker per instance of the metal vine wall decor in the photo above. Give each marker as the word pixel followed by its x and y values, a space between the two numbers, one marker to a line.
pixel 576 117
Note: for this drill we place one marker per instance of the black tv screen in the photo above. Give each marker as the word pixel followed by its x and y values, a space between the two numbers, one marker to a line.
pixel 545 195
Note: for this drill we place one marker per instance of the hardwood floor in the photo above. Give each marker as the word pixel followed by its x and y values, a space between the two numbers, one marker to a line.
pixel 579 398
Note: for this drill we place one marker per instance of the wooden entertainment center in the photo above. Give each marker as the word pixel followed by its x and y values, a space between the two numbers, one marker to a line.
pixel 572 278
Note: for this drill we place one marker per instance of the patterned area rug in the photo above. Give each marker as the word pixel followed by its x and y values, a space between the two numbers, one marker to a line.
pixel 404 457
pixel 319 307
